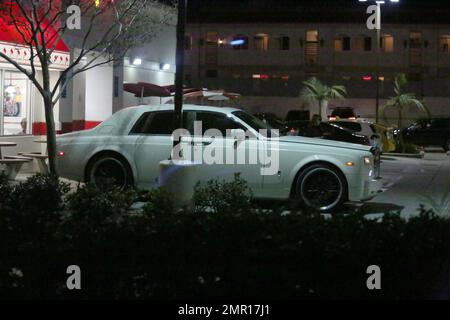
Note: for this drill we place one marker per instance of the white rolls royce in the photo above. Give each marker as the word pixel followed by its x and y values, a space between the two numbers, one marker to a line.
pixel 129 146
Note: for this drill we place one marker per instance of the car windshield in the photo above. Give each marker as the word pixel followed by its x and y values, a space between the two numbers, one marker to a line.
pixel 252 121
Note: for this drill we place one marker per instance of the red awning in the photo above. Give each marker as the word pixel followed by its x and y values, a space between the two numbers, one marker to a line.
pixel 10 34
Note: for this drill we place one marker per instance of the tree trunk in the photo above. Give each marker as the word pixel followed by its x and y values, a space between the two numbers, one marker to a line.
pixel 51 135
pixel 323 109
pixel 320 108
pixel 400 141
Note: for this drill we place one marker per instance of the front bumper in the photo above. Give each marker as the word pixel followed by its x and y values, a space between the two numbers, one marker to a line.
pixel 371 188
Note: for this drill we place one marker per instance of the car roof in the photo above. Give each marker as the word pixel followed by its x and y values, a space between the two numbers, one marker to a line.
pixel 188 107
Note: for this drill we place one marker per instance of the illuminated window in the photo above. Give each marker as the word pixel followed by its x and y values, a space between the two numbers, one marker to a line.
pixel 312 36
pixel 342 43
pixel 387 43
pixel 363 43
pixel 261 42
pixel 279 43
pixel 444 44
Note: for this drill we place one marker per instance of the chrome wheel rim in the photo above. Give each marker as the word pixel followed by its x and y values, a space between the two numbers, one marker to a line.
pixel 321 188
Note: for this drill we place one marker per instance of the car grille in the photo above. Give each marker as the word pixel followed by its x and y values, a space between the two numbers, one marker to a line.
pixel 376 161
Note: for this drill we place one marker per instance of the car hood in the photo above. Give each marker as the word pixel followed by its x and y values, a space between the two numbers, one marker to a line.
pixel 324 142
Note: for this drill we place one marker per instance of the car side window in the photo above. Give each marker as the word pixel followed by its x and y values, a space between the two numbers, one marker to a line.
pixel 158 123
pixel 219 121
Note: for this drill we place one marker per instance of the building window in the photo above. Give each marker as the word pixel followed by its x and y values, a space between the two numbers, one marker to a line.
pixel 261 42
pixel 387 43
pixel 16 104
pixel 211 73
pixel 415 40
pixel 187 43
pixel 312 36
pixel 363 43
pixel 342 43
pixel 279 43
pixel 312 47
pixel 240 43
pixel 444 44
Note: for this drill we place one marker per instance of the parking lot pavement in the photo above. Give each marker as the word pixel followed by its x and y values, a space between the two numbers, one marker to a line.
pixel 410 182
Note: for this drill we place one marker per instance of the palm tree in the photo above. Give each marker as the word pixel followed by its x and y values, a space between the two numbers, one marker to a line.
pixel 314 90
pixel 400 102
pixel 403 100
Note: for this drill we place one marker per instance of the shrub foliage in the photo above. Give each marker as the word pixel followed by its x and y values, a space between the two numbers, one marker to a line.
pixel 225 247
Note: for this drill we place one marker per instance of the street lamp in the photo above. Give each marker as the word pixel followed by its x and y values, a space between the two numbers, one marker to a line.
pixel 377 52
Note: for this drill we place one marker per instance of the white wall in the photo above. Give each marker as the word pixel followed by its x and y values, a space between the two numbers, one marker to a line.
pixel 160 50
pixel 99 93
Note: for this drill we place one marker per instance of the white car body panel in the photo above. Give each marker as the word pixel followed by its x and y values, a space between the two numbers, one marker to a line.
pixel 144 152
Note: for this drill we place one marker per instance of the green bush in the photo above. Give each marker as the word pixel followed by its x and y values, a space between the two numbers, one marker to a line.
pixel 237 251
pixel 223 196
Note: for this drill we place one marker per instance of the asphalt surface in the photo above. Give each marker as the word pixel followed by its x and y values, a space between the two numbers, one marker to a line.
pixel 411 182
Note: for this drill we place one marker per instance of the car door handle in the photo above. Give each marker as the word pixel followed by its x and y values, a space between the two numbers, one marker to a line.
pixel 202 143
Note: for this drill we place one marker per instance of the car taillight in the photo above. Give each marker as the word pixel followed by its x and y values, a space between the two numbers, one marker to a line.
pixel 332 118
pixel 352 118
pixel 61 154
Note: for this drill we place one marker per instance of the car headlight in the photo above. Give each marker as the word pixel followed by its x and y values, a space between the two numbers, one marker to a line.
pixel 368 161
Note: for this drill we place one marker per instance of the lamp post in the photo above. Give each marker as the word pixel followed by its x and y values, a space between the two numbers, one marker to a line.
pixel 179 75
pixel 377 26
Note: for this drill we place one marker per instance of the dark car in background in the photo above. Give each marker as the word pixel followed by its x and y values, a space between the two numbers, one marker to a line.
pixel 337 133
pixel 297 121
pixel 343 113
pixel 273 121
pixel 429 132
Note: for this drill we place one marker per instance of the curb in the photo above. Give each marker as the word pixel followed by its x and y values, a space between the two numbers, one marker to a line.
pixel 405 155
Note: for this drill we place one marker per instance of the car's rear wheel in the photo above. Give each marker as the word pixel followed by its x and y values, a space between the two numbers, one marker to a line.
pixel 322 187
pixel 109 170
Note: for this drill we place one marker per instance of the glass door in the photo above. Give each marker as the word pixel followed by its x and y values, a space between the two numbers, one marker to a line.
pixel 16 103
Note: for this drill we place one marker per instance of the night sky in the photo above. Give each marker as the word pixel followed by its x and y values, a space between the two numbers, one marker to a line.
pixel 407 11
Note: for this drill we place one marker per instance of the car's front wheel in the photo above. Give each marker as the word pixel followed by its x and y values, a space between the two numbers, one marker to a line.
pixel 322 187
pixel 109 170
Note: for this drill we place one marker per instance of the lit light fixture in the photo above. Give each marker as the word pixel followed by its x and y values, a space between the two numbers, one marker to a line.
pixel 367 78
pixel 10 89
pixel 256 76
pixel 164 66
pixel 221 42
pixel 137 61
pixel 237 42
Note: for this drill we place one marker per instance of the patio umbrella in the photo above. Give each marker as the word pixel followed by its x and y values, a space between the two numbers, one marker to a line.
pixel 144 89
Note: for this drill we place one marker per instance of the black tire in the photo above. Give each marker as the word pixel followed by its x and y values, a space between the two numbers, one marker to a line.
pixel 322 187
pixel 106 170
